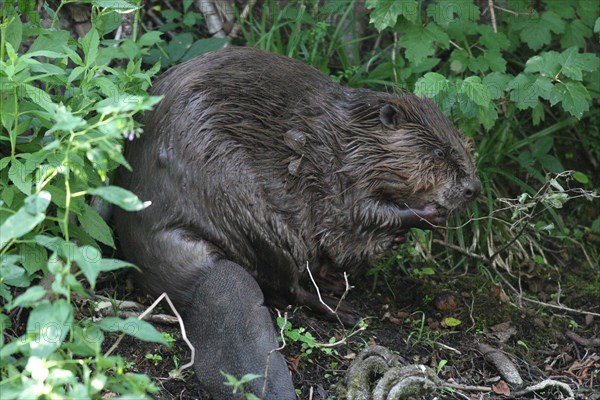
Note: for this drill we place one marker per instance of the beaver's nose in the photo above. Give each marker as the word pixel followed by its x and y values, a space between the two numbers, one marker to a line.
pixel 472 189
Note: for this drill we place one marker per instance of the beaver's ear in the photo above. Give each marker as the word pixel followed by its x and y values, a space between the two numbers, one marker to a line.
pixel 391 116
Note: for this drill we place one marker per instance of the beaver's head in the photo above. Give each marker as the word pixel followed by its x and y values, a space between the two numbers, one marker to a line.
pixel 406 152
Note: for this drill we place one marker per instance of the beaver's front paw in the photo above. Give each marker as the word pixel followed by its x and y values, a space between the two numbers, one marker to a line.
pixel 377 375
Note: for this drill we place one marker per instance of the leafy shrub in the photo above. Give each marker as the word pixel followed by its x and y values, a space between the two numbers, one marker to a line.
pixel 66 107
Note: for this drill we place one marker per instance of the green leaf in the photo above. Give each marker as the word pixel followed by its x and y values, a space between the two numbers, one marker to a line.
pixel 87 341
pixel 491 59
pixel 537 30
pixel 8 194
pixel 588 11
pixel 542 146
pixel 47 327
pixel 11 273
pixel 420 42
pixel 44 53
pixel 204 46
pixel 547 64
pixel 581 177
pixel 179 46
pixel 31 296
pixel 90 262
pixel 76 73
pixel 452 322
pixel 551 163
pixel 574 97
pixel 126 102
pixel 446 12
pixel 90 43
pixel 50 40
pixel 538 114
pixel 597 25
pixel 114 4
pixel 543 87
pixel 496 83
pixel 34 259
pixel 574 63
pixel 431 85
pixel 122 197
pixel 133 327
pixel 492 40
pixel 523 92
pixel 95 226
pixel 575 34
pixel 64 119
pixel 150 38
pixel 26 219
pixel 476 91
pixel 385 13
pixel 20 176
pixel 39 97
pixel 14 32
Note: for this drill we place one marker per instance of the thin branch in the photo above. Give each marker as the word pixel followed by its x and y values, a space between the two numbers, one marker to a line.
pixel 318 291
pixel 181 326
pixel 493 15
pixel 561 307
pixel 281 334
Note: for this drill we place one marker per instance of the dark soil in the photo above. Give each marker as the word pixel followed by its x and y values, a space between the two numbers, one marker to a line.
pixel 410 317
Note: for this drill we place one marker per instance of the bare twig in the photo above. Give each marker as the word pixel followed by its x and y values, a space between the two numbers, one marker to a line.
pixel 548 383
pixel 467 388
pixel 560 307
pixel 346 290
pixel 319 291
pixel 483 259
pixel 266 374
pixel 343 340
pixel 181 326
pixel 493 15
pixel 446 347
pixel 583 341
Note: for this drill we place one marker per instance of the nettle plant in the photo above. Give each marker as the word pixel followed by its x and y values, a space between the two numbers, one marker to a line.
pixel 66 106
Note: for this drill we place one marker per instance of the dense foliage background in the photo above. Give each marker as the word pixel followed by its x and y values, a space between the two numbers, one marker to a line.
pixel 520 77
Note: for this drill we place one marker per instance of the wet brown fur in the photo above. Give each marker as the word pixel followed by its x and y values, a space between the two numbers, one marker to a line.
pixel 273 165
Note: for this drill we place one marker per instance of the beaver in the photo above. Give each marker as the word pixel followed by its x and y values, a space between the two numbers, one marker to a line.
pixel 258 167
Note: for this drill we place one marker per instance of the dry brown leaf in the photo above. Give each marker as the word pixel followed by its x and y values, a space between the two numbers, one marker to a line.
pixel 501 387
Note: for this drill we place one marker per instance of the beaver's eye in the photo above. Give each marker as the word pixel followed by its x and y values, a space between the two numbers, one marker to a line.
pixel 439 153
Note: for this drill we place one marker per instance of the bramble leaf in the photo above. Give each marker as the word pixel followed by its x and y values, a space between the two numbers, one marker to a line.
pixel 420 42
pixel 445 12
pixel 476 91
pixel 431 85
pixel 547 64
pixel 574 63
pixel 496 84
pixel 575 34
pixel 574 97
pixel 537 30
pixel 385 13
